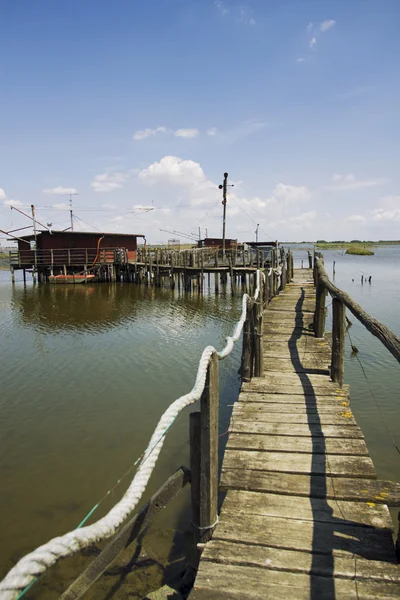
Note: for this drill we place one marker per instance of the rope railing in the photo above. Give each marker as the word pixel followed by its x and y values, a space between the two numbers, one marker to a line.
pixel 38 561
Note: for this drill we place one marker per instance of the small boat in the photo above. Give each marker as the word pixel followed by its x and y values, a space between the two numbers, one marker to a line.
pixel 78 278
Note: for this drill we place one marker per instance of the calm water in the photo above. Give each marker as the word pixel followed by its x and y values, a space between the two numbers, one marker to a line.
pixel 86 373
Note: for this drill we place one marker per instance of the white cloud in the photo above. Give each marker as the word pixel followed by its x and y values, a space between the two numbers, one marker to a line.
pixel 350 182
pixel 61 206
pixel 310 26
pixel 143 134
pixel 222 8
pixel 325 25
pixel 186 133
pixel 3 195
pixel 300 59
pixel 313 42
pixel 173 170
pixel 10 202
pixel 386 215
pixel 212 131
pixel 291 193
pixel 356 219
pixel 108 181
pixel 60 190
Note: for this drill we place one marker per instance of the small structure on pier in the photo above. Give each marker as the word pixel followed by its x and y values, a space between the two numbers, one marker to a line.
pixel 70 252
pixel 217 243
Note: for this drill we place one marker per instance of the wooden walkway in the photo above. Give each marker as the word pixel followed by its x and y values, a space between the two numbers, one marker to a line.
pixel 304 516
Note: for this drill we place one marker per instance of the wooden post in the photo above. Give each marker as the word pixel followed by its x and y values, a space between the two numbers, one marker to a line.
pixel 398 539
pixel 283 275
pixel 258 334
pixel 319 315
pixel 194 434
pixel 338 341
pixel 209 409
pixel 12 274
pixel 246 347
pixel 309 260
pixel 24 276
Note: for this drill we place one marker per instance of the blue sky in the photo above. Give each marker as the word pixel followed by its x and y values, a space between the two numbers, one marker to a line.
pixel 137 105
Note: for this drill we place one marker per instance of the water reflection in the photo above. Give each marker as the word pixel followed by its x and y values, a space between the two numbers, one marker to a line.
pixel 99 307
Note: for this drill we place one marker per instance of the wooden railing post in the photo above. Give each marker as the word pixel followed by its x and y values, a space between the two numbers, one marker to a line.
pixel 283 275
pixel 258 333
pixel 319 315
pixel 246 348
pixel 338 341
pixel 194 435
pixel 310 260
pixel 209 409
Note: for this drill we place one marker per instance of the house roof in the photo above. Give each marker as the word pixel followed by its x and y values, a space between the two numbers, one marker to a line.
pixel 32 236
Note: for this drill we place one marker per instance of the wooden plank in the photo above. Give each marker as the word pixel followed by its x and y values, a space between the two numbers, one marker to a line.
pixel 338 539
pixel 266 385
pixel 310 408
pixel 327 511
pixel 239 425
pixel 287 329
pixel 289 399
pixel 314 364
pixel 277 402
pixel 236 582
pixel 368 490
pixel 255 411
pixel 307 464
pixel 300 562
pixel 277 443
pixel 127 534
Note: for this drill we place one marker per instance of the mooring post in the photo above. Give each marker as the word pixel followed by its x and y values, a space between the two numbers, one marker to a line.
pixel 258 333
pixel 208 492
pixel 319 315
pixel 338 341
pixel 283 275
pixel 309 259
pixel 194 435
pixel 246 344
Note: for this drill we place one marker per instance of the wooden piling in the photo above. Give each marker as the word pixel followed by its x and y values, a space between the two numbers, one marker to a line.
pixel 338 341
pixel 209 409
pixel 319 315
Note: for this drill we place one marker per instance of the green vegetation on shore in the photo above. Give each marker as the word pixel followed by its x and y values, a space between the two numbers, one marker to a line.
pixel 342 245
pixel 359 250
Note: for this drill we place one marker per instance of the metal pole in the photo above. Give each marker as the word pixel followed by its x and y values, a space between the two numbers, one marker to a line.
pixel 258 225
pixel 70 212
pixel 223 187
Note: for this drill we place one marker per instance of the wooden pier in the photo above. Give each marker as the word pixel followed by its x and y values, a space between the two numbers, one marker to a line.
pixel 298 511
pixel 304 515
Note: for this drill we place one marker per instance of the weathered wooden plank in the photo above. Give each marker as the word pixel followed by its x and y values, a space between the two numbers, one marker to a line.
pixel 239 425
pixel 287 329
pixel 278 443
pixel 293 399
pixel 368 490
pixel 303 364
pixel 265 385
pixel 317 509
pixel 338 539
pixel 294 318
pixel 307 464
pixel 300 562
pixel 298 409
pixel 220 582
pixel 255 411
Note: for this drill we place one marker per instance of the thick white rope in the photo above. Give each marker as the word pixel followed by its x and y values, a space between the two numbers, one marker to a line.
pixel 37 562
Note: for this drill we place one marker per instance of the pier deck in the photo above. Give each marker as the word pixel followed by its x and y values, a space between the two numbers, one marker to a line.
pixel 304 515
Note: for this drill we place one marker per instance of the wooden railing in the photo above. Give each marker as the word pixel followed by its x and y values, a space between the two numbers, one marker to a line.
pixel 203 258
pixel 340 300
pixel 68 256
